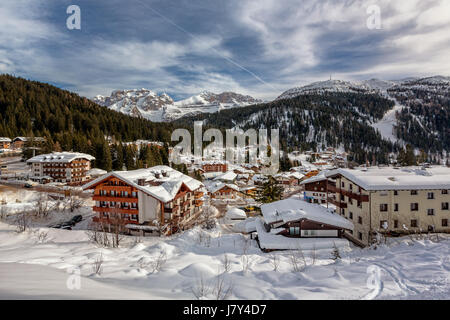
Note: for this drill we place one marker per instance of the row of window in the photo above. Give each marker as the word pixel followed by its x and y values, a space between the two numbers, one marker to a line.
pixel 430 195
pixel 413 224
pixel 123 194
pixel 121 205
pixel 126 216
pixel 414 207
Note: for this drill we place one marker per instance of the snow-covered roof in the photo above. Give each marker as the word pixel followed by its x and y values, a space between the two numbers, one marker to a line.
pixel 170 181
pixel 317 178
pixel 246 226
pixel 228 176
pixel 268 240
pixel 5 139
pixel 214 187
pixel 294 210
pixel 60 157
pixel 97 172
pixel 235 213
pixel 390 178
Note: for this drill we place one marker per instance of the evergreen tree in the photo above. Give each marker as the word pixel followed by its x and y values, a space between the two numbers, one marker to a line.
pixel 270 192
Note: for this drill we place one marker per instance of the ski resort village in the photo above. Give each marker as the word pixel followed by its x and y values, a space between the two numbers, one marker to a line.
pixel 212 229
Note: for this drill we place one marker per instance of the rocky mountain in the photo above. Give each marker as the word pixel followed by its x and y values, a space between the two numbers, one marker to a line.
pixel 148 104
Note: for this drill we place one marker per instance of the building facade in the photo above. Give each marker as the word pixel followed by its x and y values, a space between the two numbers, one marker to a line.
pixel 5 143
pixel 158 199
pixel 67 167
pixel 392 201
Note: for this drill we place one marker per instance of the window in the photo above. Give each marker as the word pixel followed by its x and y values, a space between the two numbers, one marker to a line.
pixel 350 215
pixel 396 224
pixel 413 223
pixel 360 236
pixel 396 207
pixel 414 207
pixel 444 191
pixel 444 205
pixel 413 192
pixel 134 216
pixel 359 220
pixel 430 195
pixel 383 207
pixel 342 184
pixel 430 228
pixel 445 222
pixel 293 231
pixel 430 212
pixel 351 186
pixel 395 193
pixel 383 224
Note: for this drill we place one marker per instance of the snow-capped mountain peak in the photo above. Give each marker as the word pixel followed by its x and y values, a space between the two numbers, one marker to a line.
pixel 148 104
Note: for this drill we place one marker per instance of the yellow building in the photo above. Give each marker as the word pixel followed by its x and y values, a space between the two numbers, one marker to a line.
pixel 391 200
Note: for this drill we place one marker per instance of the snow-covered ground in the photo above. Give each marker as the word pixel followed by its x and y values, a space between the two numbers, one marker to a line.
pixel 34 268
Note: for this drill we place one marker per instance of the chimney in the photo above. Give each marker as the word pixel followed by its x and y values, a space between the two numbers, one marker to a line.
pixel 141 182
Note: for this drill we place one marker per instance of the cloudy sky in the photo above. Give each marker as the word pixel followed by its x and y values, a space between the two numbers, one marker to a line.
pixel 256 47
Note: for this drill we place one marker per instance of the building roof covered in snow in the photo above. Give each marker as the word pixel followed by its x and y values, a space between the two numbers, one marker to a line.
pixel 390 178
pixel 60 157
pixel 165 181
pixel 214 187
pixel 235 213
pixel 320 177
pixel 5 139
pixel 227 176
pixel 289 210
pixel 271 241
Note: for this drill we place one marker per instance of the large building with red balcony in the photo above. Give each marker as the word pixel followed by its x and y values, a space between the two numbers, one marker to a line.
pixel 158 199
pixel 214 166
pixel 66 167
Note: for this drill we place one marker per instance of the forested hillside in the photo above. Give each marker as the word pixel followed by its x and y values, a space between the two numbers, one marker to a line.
pixel 316 120
pixel 68 121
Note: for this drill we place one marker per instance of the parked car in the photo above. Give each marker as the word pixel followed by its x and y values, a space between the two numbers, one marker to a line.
pixel 28 186
pixel 76 218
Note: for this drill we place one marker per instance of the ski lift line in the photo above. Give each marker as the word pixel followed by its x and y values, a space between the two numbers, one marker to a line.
pixel 199 40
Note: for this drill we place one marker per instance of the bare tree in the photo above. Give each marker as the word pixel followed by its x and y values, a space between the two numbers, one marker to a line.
pixel 73 202
pixel 22 221
pixel 159 262
pixel 222 290
pixel 226 263
pixel 42 207
pixel 313 254
pixel 274 261
pixel 297 260
pixel 201 289
pixel 97 267
pixel 335 254
pixel 208 215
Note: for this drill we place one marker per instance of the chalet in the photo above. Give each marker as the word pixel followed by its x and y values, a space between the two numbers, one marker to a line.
pixel 391 200
pixel 19 142
pixel 315 189
pixel 289 178
pixel 5 143
pixel 214 166
pixel 158 199
pixel 221 190
pixel 228 177
pixel 285 222
pixel 68 167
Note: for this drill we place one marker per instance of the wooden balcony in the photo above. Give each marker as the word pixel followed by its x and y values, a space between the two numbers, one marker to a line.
pixel 115 210
pixel 114 199
pixel 341 205
pixel 355 196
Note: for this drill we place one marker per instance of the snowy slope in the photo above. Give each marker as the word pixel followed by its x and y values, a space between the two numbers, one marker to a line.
pixel 158 108
pixel 30 269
